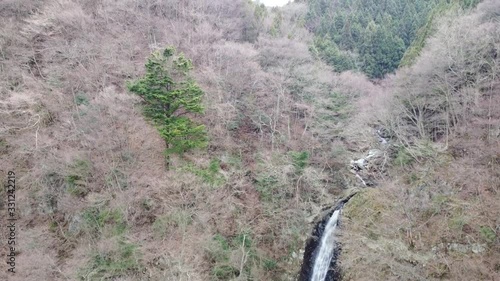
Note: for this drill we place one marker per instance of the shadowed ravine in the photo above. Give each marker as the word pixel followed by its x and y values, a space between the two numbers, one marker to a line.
pixel 322 248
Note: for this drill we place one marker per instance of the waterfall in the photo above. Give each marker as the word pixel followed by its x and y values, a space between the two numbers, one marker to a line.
pixel 326 249
pixel 322 249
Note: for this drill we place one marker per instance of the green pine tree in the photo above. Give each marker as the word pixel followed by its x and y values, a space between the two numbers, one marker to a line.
pixel 381 51
pixel 169 94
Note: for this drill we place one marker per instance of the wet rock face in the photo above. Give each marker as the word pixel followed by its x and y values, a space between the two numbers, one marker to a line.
pixel 312 247
pixel 369 166
pixel 384 135
pixel 372 161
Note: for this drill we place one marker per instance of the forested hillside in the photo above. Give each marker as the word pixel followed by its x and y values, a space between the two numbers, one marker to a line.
pixel 96 197
pixel 372 36
pixel 201 140
pixel 435 214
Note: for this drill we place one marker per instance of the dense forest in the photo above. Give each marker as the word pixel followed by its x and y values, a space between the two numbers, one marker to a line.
pixel 372 36
pixel 202 140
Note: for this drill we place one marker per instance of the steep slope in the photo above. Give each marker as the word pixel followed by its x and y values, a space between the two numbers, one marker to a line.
pixel 435 215
pixel 94 197
pixel 96 200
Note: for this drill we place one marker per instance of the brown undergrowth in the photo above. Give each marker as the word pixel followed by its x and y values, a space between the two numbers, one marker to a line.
pixel 435 216
pixel 95 200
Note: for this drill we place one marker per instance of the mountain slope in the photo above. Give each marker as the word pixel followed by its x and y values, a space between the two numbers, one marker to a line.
pixel 435 214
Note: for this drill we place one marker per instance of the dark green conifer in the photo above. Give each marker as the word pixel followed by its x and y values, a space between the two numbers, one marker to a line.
pixel 169 94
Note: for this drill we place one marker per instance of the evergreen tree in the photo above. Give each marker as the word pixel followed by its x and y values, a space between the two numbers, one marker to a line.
pixel 345 24
pixel 168 94
pixel 381 51
pixel 327 50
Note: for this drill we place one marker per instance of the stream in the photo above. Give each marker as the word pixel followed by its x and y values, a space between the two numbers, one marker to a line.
pixel 323 249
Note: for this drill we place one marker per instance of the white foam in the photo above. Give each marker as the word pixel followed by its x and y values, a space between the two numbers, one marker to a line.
pixel 326 248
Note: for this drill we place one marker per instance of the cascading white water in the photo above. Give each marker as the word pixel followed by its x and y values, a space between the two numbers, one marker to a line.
pixel 326 249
